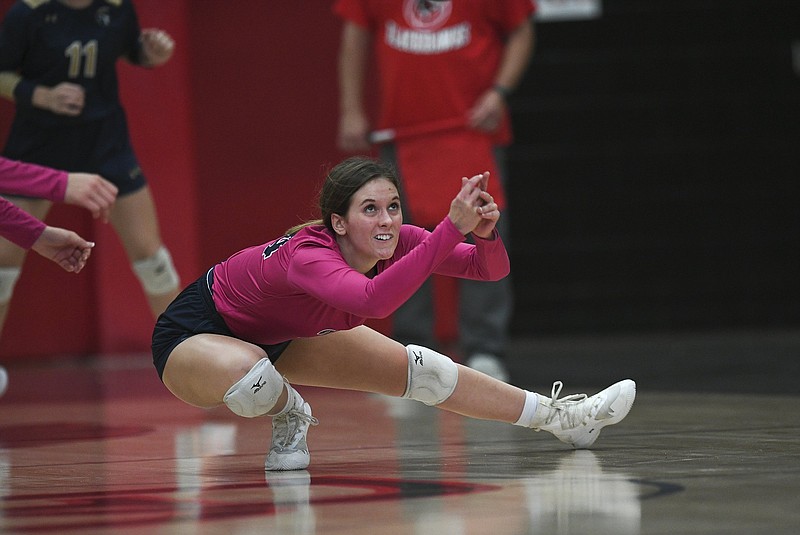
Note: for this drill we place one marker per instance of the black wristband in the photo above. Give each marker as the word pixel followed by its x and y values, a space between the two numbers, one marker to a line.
pixel 502 91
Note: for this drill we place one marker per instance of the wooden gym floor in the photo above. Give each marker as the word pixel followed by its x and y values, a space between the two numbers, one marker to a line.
pixel 98 446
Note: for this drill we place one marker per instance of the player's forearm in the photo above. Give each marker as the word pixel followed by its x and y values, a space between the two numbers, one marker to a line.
pixel 26 93
pixel 19 178
pixel 352 67
pixel 18 226
pixel 516 57
pixel 8 82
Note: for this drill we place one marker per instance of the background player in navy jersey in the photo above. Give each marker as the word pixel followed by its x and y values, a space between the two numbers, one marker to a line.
pixel 58 64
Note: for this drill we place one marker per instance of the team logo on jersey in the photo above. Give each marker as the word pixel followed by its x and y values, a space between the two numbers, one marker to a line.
pixel 103 16
pixel 427 31
pixel 427 14
pixel 274 246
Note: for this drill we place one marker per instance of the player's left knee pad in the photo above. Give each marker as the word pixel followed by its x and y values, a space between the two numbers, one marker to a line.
pixel 257 392
pixel 432 377
pixel 157 273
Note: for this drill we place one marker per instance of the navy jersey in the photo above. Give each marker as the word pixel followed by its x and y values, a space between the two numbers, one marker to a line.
pixel 48 43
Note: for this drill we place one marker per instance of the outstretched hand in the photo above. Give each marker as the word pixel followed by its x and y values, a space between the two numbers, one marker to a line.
pixel 92 192
pixel 473 209
pixel 64 247
pixel 488 210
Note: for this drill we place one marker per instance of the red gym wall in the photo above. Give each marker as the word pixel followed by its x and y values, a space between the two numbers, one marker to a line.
pixel 233 135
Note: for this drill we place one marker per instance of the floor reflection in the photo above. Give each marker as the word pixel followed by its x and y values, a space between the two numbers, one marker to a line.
pixel 579 497
pixel 146 463
pixel 291 494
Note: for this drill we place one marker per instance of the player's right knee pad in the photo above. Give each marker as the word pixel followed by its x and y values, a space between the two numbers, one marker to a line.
pixel 432 377
pixel 257 392
pixel 8 279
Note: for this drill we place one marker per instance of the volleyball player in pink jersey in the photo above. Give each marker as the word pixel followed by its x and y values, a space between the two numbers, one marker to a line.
pixel 292 310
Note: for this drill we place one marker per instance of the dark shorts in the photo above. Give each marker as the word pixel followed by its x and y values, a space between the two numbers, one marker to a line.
pixel 101 147
pixel 193 312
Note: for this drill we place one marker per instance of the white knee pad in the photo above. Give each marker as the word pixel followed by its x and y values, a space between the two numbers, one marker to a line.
pixel 157 273
pixel 257 392
pixel 432 377
pixel 8 279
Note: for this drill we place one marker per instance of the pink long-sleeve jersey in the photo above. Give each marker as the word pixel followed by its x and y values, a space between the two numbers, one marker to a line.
pixel 301 286
pixel 18 178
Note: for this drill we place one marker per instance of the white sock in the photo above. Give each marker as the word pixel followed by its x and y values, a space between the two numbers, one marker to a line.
pixel 289 400
pixel 528 410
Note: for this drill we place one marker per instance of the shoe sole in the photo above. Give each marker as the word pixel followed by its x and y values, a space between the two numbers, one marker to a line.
pixel 284 465
pixel 619 409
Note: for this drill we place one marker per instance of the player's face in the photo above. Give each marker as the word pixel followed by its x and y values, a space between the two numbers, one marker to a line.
pixel 371 227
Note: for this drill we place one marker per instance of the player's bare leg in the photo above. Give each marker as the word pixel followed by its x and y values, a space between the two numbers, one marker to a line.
pixel 12 257
pixel 363 359
pixel 366 360
pixel 208 370
pixel 136 223
pixel 202 369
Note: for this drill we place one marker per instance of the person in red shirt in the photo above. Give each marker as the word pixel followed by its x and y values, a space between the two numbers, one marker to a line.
pixel 444 72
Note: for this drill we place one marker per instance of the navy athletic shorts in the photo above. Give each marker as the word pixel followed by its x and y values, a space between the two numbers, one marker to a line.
pixel 193 312
pixel 102 146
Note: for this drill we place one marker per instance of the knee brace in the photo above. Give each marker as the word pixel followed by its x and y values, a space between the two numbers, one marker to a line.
pixel 8 279
pixel 257 392
pixel 157 273
pixel 432 377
